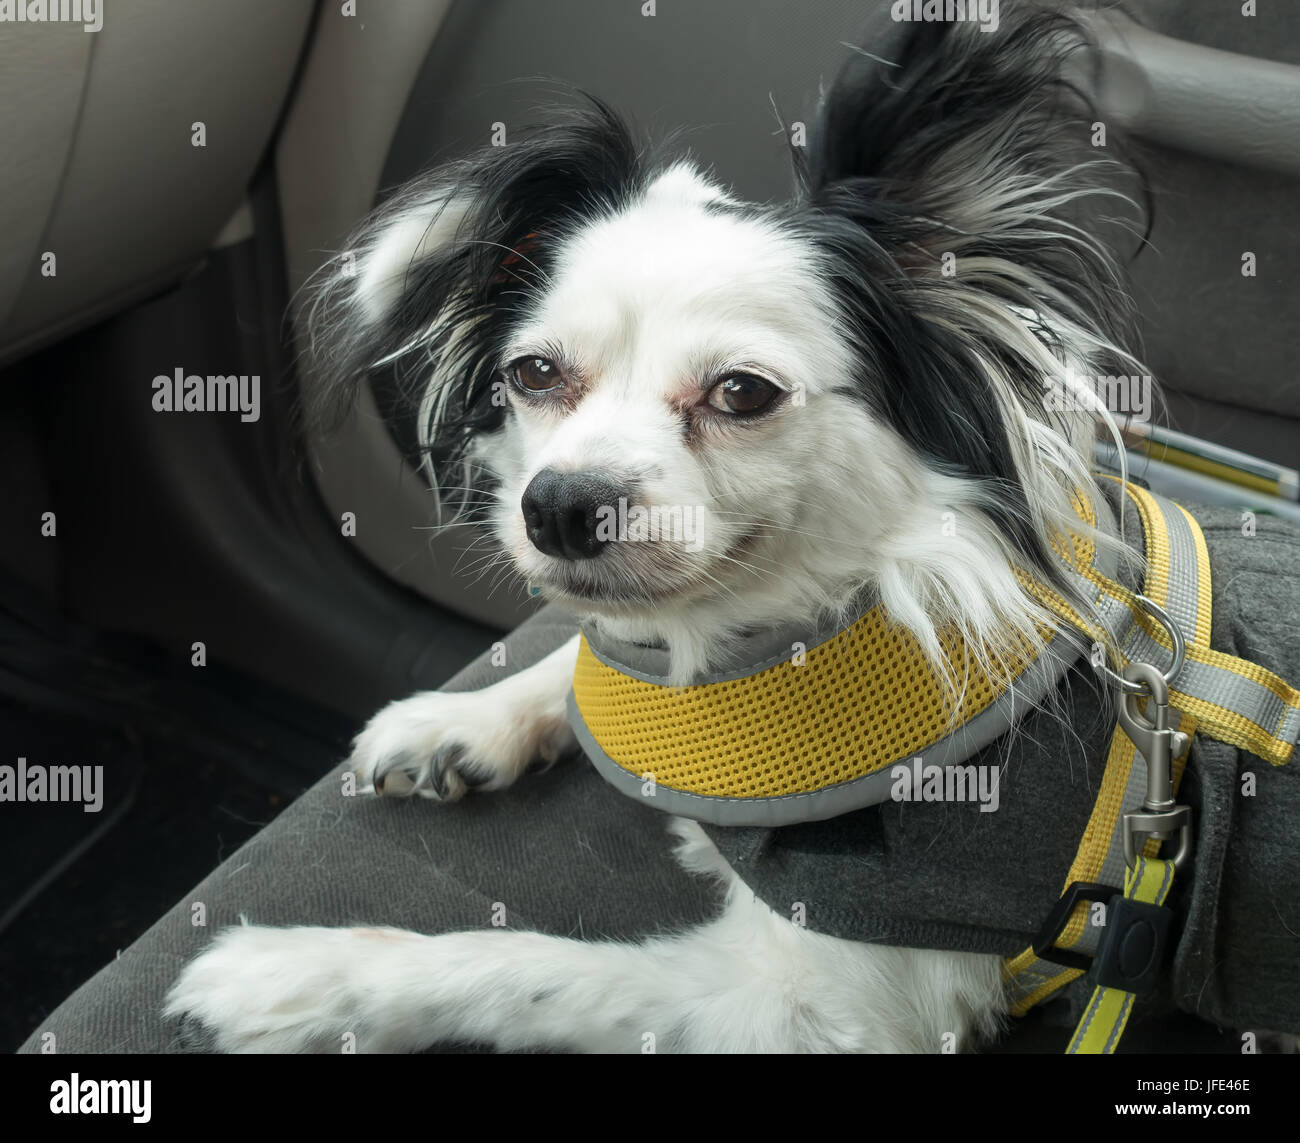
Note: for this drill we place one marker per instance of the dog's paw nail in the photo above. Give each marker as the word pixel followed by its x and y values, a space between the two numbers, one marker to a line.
pixel 446 779
pixel 392 776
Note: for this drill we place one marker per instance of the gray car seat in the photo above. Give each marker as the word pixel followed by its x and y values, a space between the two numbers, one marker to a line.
pixel 425 83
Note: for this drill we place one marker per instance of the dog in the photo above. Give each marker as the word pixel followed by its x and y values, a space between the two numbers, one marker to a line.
pixel 584 322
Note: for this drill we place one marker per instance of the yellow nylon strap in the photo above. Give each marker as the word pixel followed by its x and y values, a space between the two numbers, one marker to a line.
pixel 1104 821
pixel 1106 1015
pixel 1088 861
pixel 1215 720
pixel 1103 824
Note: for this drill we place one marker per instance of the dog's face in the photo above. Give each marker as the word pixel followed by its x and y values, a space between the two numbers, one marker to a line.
pixel 680 411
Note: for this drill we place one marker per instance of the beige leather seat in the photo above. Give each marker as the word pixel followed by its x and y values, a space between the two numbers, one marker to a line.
pixel 100 172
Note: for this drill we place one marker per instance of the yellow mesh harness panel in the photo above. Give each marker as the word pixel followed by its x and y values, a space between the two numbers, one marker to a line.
pixel 861 702
pixel 868 698
pixel 850 707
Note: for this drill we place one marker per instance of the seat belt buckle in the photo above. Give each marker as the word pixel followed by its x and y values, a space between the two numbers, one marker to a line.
pixel 1133 947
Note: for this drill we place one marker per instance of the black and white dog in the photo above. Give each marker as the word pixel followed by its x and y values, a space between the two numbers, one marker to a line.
pixel 826 378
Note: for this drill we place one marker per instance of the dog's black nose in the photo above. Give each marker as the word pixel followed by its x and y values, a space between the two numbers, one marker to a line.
pixel 563 512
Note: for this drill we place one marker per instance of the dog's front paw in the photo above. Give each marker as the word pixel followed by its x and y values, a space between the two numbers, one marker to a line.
pixel 260 989
pixel 440 744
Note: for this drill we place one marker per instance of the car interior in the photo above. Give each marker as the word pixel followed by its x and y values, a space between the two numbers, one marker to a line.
pixel 211 605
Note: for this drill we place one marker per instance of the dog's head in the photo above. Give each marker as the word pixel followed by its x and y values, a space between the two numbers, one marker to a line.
pixel 696 413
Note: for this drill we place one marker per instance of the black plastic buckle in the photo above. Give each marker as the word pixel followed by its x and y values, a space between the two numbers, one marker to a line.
pixel 1045 943
pixel 1132 948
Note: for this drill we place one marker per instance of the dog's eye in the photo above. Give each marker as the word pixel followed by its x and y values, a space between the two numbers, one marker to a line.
pixel 536 374
pixel 742 394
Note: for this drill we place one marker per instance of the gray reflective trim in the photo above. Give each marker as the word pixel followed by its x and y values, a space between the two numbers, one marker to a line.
pixel 1111 613
pixel 1181 601
pixel 1121 1021
pixel 1289 731
pixel 748 655
pixel 1103 559
pixel 1033 684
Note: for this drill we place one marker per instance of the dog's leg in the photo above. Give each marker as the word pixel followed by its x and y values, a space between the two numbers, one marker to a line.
pixel 439 743
pixel 749 981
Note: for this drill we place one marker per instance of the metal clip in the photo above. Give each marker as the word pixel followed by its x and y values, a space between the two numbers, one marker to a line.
pixel 1176 641
pixel 1160 816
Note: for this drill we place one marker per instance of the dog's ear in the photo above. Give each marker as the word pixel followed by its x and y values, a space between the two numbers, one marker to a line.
pixel 428 284
pixel 943 184
pixel 956 142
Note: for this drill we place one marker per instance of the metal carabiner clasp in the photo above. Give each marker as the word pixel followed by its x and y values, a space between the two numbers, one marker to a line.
pixel 1160 815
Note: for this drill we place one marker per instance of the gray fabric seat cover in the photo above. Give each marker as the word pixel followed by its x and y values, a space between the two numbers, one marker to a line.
pixel 571 856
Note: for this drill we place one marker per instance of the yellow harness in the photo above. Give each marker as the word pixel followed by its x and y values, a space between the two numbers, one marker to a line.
pixel 806 730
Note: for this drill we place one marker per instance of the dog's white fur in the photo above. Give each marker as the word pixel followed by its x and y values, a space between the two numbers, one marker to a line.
pixel 651 303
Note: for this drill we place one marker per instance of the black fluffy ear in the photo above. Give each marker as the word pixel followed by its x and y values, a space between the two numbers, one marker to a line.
pixel 429 284
pixel 944 185
pixel 942 138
